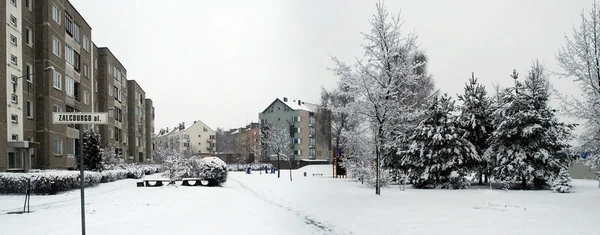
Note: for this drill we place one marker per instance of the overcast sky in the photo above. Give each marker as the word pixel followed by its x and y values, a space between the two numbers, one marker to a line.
pixel 225 61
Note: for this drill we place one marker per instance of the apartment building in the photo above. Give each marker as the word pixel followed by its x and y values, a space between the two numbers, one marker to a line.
pixel 47 50
pixel 300 117
pixel 194 137
pixel 136 107
pixel 112 98
pixel 50 64
pixel 149 129
pixel 239 145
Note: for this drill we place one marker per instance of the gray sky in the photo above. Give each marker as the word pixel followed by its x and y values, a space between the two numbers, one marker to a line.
pixel 224 61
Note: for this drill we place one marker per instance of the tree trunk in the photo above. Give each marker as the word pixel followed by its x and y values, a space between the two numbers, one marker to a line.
pixel 480 177
pixel 278 168
pixel 378 152
pixel 290 161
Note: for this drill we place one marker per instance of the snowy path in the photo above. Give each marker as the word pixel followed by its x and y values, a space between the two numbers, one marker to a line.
pixel 121 208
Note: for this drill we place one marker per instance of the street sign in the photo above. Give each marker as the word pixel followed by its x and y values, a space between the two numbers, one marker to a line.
pixel 80 118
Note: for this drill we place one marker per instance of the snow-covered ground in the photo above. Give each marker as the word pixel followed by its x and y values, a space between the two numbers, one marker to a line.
pixel 263 204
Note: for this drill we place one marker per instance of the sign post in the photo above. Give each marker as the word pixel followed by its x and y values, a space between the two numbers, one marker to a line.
pixel 81 119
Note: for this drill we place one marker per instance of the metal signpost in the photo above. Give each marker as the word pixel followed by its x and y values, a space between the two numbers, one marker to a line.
pixel 81 119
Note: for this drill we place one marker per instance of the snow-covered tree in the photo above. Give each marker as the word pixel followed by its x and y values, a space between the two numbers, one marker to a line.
pixel 439 155
pixel 92 151
pixel 175 165
pixel 580 60
pixel 385 84
pixel 277 138
pixel 476 119
pixel 525 146
pixel 562 184
pixel 111 159
pixel 357 156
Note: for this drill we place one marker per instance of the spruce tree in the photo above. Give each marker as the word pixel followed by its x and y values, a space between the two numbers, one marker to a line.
pixel 439 154
pixel 476 119
pixel 525 146
pixel 562 184
pixel 91 151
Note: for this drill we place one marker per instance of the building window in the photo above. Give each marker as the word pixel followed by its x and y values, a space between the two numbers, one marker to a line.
pixel 57 80
pixel 14 59
pixel 29 109
pixel 29 72
pixel 15 137
pixel 56 14
pixel 56 47
pixel 312 153
pixel 70 86
pixel 14 98
pixel 86 43
pixel 86 97
pixel 58 146
pixel 28 36
pixel 69 55
pixel 27 4
pixel 14 2
pixel 14 80
pixel 70 146
pixel 96 86
pixel 13 20
pixel 86 71
pixel 14 162
pixel 77 61
pixel 57 109
pixel 14 118
pixel 13 39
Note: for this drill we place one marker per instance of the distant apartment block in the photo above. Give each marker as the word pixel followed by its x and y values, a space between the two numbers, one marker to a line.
pixel 50 64
pixel 194 137
pixel 300 117
pixel 239 143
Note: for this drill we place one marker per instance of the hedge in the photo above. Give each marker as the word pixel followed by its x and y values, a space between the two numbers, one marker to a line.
pixel 243 167
pixel 55 181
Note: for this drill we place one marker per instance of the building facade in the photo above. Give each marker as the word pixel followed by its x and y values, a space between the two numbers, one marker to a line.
pixel 149 129
pixel 137 122
pixel 193 137
pixel 112 98
pixel 50 64
pixel 300 117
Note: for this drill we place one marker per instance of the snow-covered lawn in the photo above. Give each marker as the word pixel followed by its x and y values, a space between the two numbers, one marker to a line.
pixel 263 204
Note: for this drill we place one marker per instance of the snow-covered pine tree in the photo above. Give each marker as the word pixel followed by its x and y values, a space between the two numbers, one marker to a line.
pixel 525 146
pixel 92 151
pixel 476 119
pixel 562 184
pixel 439 154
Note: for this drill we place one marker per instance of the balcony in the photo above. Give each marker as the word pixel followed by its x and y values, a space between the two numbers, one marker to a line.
pixel 311 124
pixel 311 146
pixel 209 148
pixel 209 141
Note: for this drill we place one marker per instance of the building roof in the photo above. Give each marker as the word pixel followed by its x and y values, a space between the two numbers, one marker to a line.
pixel 187 125
pixel 295 105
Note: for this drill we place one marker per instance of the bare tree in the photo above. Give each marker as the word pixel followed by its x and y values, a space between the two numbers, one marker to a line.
pixel 580 60
pixel 276 136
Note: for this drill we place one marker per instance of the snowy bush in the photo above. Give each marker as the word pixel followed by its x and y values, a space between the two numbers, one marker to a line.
pixel 113 175
pixel 455 181
pixel 47 182
pixel 214 170
pixel 384 180
pixel 562 184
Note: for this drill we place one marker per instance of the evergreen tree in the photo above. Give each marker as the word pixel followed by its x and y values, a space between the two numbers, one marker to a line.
pixel 476 119
pixel 439 154
pixel 562 184
pixel 525 146
pixel 92 152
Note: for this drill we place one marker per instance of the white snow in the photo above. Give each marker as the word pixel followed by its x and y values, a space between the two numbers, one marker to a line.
pixel 263 204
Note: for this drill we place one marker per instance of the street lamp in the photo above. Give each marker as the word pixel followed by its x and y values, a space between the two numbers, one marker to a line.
pixel 49 68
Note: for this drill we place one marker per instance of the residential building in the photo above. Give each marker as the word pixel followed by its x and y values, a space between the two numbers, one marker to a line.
pixel 192 137
pixel 149 129
pixel 46 52
pixel 239 145
pixel 50 64
pixel 300 117
pixel 136 122
pixel 112 98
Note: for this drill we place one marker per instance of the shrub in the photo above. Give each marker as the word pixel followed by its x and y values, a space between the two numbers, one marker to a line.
pixel 47 182
pixel 562 183
pixel 254 166
pixel 213 169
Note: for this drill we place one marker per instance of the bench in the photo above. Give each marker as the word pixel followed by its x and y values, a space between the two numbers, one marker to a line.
pixel 197 182
pixel 317 174
pixel 157 182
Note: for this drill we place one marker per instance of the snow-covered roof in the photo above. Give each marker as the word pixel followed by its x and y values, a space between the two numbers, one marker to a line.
pixel 296 105
pixel 187 125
